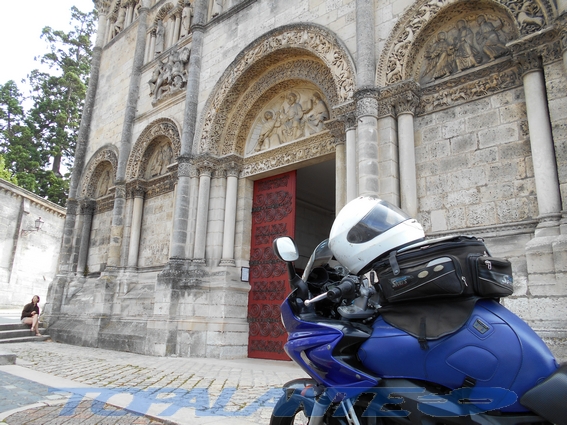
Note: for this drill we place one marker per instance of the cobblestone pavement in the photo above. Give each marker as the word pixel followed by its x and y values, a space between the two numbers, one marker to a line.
pixel 64 379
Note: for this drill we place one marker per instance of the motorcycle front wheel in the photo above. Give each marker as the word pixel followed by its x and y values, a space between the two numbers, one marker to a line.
pixel 298 418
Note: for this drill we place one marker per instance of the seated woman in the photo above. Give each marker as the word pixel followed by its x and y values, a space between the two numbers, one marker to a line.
pixel 30 315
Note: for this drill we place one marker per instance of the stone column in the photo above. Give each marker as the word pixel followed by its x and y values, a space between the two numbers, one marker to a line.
pixel 405 106
pixel 182 204
pixel 117 228
pixel 176 28
pixel 351 158
pixel 365 43
pixel 337 129
pixel 87 211
pixel 65 259
pixel 192 219
pixel 232 172
pixel 205 173
pixel 541 141
pixel 367 142
pixel 136 226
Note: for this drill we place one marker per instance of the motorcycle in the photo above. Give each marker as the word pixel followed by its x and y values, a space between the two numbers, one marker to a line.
pixel 434 355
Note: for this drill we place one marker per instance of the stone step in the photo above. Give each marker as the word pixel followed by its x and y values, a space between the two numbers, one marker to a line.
pixel 25 339
pixel 17 332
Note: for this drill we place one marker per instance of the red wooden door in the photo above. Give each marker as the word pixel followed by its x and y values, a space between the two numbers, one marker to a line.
pixel 273 215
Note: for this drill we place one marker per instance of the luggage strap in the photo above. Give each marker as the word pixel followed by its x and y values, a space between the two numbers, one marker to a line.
pixel 394 263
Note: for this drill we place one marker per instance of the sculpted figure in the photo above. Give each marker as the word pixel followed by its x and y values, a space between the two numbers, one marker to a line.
pixel 104 183
pixel 269 137
pixel 160 37
pixel 217 8
pixel 316 116
pixel 119 24
pixel 186 16
pixel 487 37
pixel 465 52
pixel 440 57
pixel 291 116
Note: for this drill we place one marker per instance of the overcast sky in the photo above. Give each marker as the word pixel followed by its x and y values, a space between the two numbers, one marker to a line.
pixel 21 23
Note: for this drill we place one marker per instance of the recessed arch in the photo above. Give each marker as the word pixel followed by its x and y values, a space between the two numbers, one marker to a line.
pixel 97 164
pixel 284 54
pixel 406 40
pixel 163 128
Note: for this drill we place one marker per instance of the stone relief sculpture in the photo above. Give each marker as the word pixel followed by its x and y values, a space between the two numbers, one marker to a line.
pixel 502 21
pixel 119 24
pixel 217 8
pixel 104 183
pixel 160 37
pixel 159 161
pixel 462 45
pixel 169 77
pixel 186 16
pixel 297 114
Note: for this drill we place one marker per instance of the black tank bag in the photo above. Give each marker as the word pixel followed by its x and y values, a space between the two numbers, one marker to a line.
pixel 457 266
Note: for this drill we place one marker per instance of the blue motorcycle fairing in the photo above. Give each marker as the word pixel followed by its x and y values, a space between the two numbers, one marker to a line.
pixel 494 349
pixel 313 346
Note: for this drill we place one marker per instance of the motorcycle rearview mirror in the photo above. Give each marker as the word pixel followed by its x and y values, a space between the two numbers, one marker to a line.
pixel 285 249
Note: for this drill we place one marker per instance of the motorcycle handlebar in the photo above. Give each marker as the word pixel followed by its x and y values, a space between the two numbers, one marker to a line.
pixel 346 287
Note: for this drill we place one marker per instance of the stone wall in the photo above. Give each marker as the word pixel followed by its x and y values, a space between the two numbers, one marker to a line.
pixel 28 258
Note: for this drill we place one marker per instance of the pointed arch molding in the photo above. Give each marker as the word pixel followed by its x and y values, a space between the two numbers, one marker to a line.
pixel 275 53
pixel 163 127
pixel 91 174
pixel 405 40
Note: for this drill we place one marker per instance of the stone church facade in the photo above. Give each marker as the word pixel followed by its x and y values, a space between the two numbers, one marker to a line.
pixel 212 126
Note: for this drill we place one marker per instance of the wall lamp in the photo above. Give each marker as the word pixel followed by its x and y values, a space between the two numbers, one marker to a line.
pixel 38 223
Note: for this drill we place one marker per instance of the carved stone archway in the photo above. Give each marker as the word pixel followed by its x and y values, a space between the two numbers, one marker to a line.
pixel 397 62
pixel 284 54
pixel 161 128
pixel 92 170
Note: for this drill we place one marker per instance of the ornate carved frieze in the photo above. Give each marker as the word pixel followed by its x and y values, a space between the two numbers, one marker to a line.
pixel 104 204
pixel 269 50
pixel 169 77
pixel 500 77
pixel 100 173
pixel 294 153
pixel 465 35
pixel 164 135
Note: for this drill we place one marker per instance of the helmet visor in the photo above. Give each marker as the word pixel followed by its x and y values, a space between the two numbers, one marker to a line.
pixel 382 217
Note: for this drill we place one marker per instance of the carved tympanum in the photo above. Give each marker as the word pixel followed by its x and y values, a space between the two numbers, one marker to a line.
pixel 297 113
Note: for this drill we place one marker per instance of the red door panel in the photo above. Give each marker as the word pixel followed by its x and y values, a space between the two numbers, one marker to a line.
pixel 273 215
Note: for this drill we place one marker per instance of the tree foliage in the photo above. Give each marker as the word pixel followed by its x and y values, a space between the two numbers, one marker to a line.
pixel 38 144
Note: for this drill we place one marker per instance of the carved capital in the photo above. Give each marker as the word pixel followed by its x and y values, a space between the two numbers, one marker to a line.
pixel 529 62
pixel 87 206
pixel 138 191
pixel 72 207
pixel 120 190
pixel 337 129
pixel 184 165
pixel 232 165
pixel 406 103
pixel 367 106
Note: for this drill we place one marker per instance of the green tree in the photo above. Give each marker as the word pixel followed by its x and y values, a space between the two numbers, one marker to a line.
pixel 58 97
pixel 5 174
pixel 38 145
pixel 21 155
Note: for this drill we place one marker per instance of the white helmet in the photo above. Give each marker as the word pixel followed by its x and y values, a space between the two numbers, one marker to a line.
pixel 367 228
